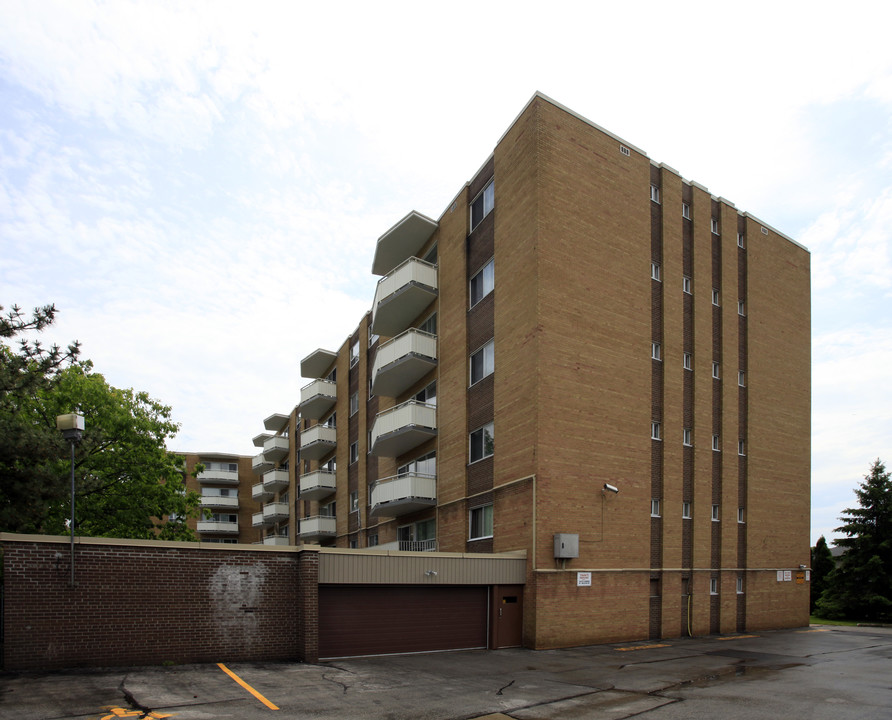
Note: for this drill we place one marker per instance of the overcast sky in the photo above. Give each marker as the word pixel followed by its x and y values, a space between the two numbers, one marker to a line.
pixel 198 187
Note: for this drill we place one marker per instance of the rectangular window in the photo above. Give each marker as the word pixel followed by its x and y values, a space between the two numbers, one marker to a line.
pixel 655 193
pixel 686 211
pixel 482 443
pixel 352 544
pixel 354 452
pixel 480 523
pixel 428 395
pixel 655 431
pixel 714 226
pixel 715 443
pixel 654 271
pixel 655 508
pixel 429 325
pixel 688 361
pixel 373 337
pixel 741 378
pixel 373 540
pixel 686 284
pixel 741 307
pixel 716 370
pixel 741 242
pixel 741 516
pixel 740 585
pixel 686 510
pixel 482 205
pixel 354 353
pixel 713 586
pixel 715 513
pixel 483 362
pixel 687 436
pixel 715 297
pixel 354 403
pixel 655 351
pixel 354 500
pixel 741 447
pixel 482 283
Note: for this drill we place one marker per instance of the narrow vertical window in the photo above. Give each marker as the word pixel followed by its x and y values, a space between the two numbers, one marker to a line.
pixel 655 271
pixel 716 370
pixel 688 361
pixel 686 511
pixel 655 507
pixel 656 351
pixel 740 585
pixel 687 436
pixel 741 307
pixel 482 283
pixel 483 204
pixel 741 447
pixel 741 242
pixel 686 211
pixel 655 431
pixel 714 226
pixel 741 516
pixel 715 296
pixel 713 586
pixel 686 284
pixel 715 513
pixel 655 193
pixel 715 443
pixel 741 378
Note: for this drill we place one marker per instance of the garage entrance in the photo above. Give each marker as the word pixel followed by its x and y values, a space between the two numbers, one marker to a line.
pixel 379 620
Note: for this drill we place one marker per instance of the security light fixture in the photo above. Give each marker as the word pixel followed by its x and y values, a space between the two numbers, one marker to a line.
pixel 72 428
pixel 608 488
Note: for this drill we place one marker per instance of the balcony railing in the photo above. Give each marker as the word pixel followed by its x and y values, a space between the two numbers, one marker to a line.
pixel 318 527
pixel 214 526
pixel 276 448
pixel 217 501
pixel 317 442
pixel 402 361
pixel 317 484
pixel 403 494
pixel 218 477
pixel 275 480
pixel 259 493
pixel 409 545
pixel 401 428
pixel 317 398
pixel 402 295
pixel 257 520
pixel 260 464
pixel 275 512
pixel 275 540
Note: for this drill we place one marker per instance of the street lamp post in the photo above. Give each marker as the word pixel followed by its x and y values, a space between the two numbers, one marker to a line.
pixel 72 428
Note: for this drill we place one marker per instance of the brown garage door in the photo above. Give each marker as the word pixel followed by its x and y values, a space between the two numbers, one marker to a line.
pixel 373 620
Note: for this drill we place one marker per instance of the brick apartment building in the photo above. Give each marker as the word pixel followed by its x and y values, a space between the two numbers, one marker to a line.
pixel 585 357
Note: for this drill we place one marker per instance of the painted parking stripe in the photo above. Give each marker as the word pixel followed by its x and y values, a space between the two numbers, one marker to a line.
pixel 736 637
pixel 247 687
pixel 641 647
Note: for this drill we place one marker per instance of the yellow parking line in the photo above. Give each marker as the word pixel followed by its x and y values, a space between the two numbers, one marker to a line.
pixel 641 647
pixel 736 637
pixel 247 687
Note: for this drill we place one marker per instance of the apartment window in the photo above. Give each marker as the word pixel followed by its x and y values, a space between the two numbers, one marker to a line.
pixel 655 431
pixel 687 437
pixel 655 507
pixel 686 284
pixel 655 351
pixel 714 226
pixel 482 205
pixel 686 211
pixel 741 447
pixel 482 283
pixel 482 443
pixel 331 421
pixel 715 297
pixel 354 500
pixel 332 376
pixel 373 540
pixel 425 465
pixel 354 403
pixel 373 337
pixel 741 307
pixel 354 452
pixel 740 585
pixel 716 368
pixel 655 193
pixel 654 271
pixel 428 395
pixel 715 513
pixel 371 394
pixel 329 509
pixel 429 325
pixel 686 511
pixel 741 378
pixel 352 544
pixel 715 443
pixel 741 516
pixel 354 353
pixel 713 586
pixel 483 362
pixel 480 523
pixel 741 242
pixel 688 361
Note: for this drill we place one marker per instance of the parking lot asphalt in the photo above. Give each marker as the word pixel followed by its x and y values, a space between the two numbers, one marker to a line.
pixel 821 672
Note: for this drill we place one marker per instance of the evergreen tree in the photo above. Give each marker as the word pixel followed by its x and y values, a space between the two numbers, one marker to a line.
pixel 861 585
pixel 822 565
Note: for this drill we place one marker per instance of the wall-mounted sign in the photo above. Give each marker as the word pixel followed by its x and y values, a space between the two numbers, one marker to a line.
pixel 583 579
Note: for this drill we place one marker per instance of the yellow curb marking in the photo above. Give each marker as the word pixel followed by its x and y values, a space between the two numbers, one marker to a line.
pixel 641 647
pixel 815 630
pixel 737 637
pixel 119 712
pixel 247 687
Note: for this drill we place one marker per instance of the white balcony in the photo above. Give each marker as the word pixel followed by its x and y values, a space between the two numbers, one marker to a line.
pixel 259 464
pixel 317 442
pixel 403 361
pixel 260 494
pixel 401 428
pixel 219 477
pixel 402 295
pixel 275 480
pixel 318 527
pixel 276 540
pixel 276 448
pixel 213 526
pixel 218 502
pixel 276 422
pixel 257 520
pixel 404 494
pixel 317 363
pixel 317 485
pixel 317 398
pixel 409 545
pixel 402 241
pixel 275 512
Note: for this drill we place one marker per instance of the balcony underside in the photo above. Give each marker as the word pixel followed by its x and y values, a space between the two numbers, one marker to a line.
pixel 395 508
pixel 317 449
pixel 315 407
pixel 402 241
pixel 276 422
pixel 276 449
pixel 396 377
pixel 317 363
pixel 261 494
pixel 401 440
pixel 396 312
pixel 259 464
pixel 275 481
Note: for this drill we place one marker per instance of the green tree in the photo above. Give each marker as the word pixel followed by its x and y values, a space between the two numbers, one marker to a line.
pixel 860 587
pixel 127 482
pixel 821 566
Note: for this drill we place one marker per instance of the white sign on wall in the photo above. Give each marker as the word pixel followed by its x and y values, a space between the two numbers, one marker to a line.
pixel 583 579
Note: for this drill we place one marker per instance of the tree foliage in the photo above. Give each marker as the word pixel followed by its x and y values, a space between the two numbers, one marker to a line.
pixel 822 565
pixel 126 481
pixel 860 587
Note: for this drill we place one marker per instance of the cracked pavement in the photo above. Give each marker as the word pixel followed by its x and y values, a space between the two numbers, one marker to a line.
pixel 819 672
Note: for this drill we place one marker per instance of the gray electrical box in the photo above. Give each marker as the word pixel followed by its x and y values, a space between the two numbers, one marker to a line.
pixel 566 545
